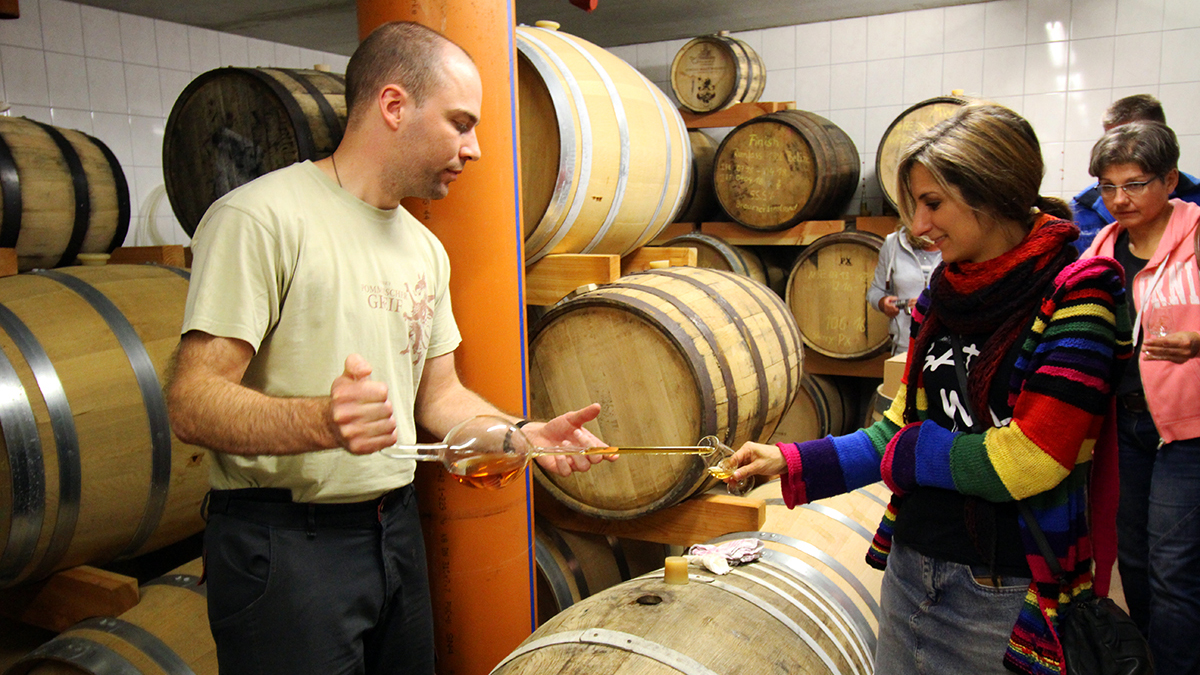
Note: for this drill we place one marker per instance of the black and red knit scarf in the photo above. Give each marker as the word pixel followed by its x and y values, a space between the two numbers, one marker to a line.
pixel 997 296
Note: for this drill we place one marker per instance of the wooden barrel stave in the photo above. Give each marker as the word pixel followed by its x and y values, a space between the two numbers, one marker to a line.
pixel 712 252
pixel 232 125
pixel 700 202
pixel 776 170
pixel 96 473
pixel 623 163
pixel 42 219
pixel 719 349
pixel 827 292
pixel 820 408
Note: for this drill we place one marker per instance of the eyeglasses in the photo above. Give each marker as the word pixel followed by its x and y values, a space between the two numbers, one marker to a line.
pixel 1135 189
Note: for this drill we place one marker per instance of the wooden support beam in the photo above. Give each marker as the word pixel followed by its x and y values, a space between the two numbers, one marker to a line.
pixel 172 255
pixel 550 279
pixel 692 521
pixel 649 257
pixel 8 262
pixel 70 596
pixel 733 115
pixel 801 234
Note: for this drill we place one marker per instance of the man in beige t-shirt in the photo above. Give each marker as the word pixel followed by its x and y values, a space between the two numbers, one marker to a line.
pixel 319 331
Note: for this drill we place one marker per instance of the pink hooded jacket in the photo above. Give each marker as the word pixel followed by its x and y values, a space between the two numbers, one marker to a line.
pixel 1172 389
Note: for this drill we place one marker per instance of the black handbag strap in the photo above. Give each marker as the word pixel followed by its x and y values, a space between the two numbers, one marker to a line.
pixel 1026 513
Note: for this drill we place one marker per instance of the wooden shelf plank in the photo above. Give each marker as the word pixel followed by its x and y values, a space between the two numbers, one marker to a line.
pixel 70 596
pixel 8 262
pixel 819 364
pixel 553 277
pixel 733 115
pixel 801 234
pixel 649 257
pixel 171 254
pixel 692 521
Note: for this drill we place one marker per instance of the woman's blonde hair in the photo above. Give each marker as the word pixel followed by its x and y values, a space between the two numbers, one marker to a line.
pixel 988 154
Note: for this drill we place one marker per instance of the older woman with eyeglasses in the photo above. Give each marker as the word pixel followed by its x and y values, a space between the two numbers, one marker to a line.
pixel 1158 411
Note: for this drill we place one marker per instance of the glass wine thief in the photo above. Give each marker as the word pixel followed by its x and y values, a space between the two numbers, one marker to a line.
pixel 487 451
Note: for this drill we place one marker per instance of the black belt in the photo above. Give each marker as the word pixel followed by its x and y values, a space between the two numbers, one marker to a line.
pixel 274 507
pixel 1134 402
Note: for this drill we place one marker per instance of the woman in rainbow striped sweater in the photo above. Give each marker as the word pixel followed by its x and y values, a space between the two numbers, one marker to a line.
pixel 1042 339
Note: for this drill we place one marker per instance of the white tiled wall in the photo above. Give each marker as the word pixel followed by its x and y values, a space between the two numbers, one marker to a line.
pixel 116 76
pixel 1058 62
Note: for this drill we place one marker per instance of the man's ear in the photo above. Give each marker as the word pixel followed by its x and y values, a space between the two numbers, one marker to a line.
pixel 394 104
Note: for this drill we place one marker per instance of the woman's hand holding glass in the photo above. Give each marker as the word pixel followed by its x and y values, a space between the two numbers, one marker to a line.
pixel 1163 342
pixel 757 459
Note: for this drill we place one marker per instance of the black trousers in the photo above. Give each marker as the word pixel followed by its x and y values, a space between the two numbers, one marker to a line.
pixel 317 588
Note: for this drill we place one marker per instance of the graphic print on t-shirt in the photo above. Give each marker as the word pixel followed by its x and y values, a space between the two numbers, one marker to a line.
pixel 415 304
pixel 947 400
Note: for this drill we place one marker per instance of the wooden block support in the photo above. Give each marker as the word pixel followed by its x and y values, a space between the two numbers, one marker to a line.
pixel 733 115
pixel 641 259
pixel 817 363
pixel 69 597
pixel 550 279
pixel 10 9
pixel 135 255
pixel 8 262
pixel 692 521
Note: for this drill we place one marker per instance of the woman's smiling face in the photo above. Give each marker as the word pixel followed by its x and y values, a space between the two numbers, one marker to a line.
pixel 952 225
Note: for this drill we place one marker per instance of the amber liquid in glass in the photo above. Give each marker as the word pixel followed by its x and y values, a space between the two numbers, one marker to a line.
pixel 488 471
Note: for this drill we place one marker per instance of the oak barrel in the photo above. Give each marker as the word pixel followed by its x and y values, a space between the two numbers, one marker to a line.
pixel 713 252
pixel 827 292
pixel 574 565
pixel 700 202
pixel 775 170
pixel 89 469
pixel 809 605
pixel 907 126
pixel 64 193
pixel 605 159
pixel 822 407
pixel 713 72
pixel 673 355
pixel 166 633
pixel 232 125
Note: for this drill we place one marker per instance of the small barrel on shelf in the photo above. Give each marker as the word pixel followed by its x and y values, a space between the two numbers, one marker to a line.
pixel 606 160
pixel 908 125
pixel 713 72
pixel 827 293
pixel 673 355
pixel 776 170
pixel 63 191
pixel 712 252
pixel 232 125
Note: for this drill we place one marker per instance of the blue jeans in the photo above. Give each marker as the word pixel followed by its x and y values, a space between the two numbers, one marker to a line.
pixel 1158 540
pixel 938 620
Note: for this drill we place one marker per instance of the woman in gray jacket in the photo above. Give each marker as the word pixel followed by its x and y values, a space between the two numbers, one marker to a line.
pixel 905 265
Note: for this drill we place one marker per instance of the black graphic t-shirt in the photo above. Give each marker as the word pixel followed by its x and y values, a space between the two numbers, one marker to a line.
pixel 946 524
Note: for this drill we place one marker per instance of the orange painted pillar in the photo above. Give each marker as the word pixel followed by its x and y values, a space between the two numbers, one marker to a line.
pixel 480 542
